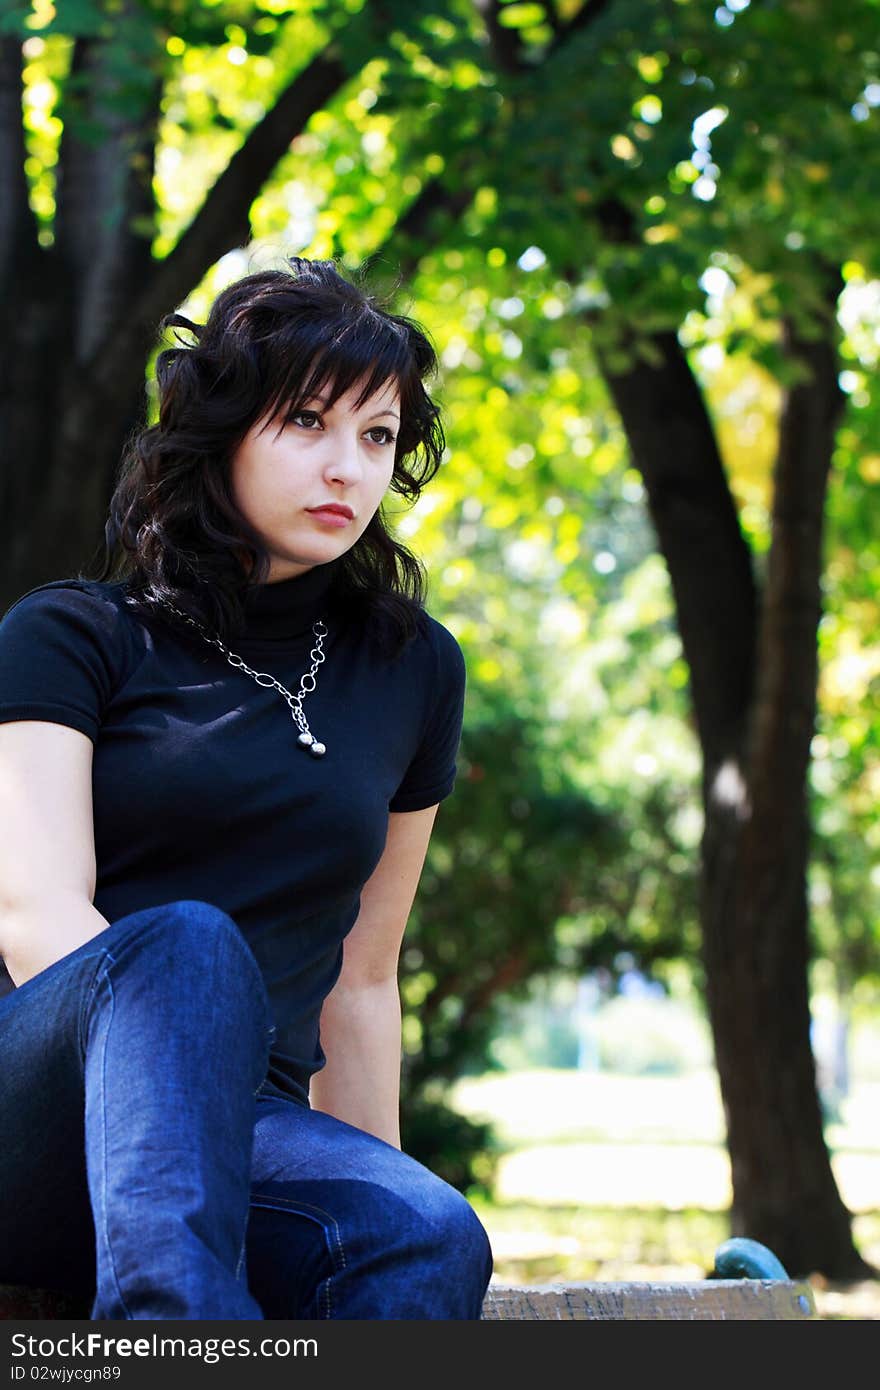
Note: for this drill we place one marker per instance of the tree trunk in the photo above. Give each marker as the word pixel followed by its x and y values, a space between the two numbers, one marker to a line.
pixel 81 315
pixel 63 438
pixel 753 677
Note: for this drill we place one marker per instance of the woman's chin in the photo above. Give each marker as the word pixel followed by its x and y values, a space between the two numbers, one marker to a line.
pixel 286 564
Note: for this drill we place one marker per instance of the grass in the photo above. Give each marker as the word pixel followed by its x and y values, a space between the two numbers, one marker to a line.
pixel 617 1177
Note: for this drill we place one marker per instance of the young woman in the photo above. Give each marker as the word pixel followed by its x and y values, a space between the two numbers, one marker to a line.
pixel 219 772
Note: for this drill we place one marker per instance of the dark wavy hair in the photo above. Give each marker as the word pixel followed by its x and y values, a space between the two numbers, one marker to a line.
pixel 272 340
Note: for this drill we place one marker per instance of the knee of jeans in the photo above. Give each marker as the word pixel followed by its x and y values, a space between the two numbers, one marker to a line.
pixel 462 1233
pixel 203 916
pixel 201 922
pixel 196 932
pixel 448 1231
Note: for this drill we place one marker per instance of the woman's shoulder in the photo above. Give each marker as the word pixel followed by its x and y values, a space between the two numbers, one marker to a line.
pixel 434 656
pixel 83 600
pixel 440 639
pixel 65 649
pixel 77 618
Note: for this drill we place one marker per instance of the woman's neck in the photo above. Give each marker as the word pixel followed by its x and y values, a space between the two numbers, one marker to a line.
pixel 286 608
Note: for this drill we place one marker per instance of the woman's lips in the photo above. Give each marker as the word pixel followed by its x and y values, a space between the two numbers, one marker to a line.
pixel 329 517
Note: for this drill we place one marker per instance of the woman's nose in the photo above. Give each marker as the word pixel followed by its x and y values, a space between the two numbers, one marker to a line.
pixel 344 458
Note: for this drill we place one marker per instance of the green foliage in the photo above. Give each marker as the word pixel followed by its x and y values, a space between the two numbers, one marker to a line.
pixel 683 168
pixel 528 873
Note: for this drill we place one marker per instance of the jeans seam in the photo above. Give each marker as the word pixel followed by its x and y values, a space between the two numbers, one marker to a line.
pixel 110 1261
pixel 336 1254
pixel 99 957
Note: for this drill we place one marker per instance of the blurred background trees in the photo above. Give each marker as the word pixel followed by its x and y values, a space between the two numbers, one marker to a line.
pixel 642 235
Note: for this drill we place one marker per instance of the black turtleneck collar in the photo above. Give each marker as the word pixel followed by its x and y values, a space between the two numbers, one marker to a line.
pixel 288 607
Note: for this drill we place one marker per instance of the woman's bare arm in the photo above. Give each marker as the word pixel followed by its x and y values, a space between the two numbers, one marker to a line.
pixel 47 845
pixel 360 1020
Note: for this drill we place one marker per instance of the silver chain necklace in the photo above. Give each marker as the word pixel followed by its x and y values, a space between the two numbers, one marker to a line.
pixel 306 685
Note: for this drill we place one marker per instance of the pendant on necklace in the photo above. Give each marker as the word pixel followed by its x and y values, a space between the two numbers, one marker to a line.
pixel 316 749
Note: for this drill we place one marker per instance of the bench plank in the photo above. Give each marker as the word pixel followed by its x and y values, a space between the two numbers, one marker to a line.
pixel 715 1299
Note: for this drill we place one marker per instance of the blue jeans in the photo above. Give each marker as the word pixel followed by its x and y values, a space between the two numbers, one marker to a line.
pixel 143 1166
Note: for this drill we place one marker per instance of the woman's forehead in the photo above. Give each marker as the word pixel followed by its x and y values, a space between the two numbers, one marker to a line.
pixel 355 395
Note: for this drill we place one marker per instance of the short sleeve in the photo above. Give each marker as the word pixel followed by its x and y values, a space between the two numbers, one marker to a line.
pixel 430 776
pixel 62 655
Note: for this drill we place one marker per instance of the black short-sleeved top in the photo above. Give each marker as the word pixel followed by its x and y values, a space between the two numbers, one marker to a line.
pixel 200 789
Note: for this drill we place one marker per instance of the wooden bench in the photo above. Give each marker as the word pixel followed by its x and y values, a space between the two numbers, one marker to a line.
pixel 747 1283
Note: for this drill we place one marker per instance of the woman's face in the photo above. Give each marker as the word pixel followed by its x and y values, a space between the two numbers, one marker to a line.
pixel 285 472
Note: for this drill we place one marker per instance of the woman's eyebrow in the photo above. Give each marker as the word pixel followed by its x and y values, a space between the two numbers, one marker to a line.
pixel 322 401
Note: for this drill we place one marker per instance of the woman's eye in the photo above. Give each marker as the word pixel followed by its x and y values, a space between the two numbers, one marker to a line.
pixel 310 420
pixel 386 437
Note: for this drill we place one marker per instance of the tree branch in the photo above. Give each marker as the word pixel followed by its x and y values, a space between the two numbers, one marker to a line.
pixel 504 42
pixel 435 206
pixel 506 45
pixel 588 13
pixel 402 251
pixel 553 18
pixel 222 221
